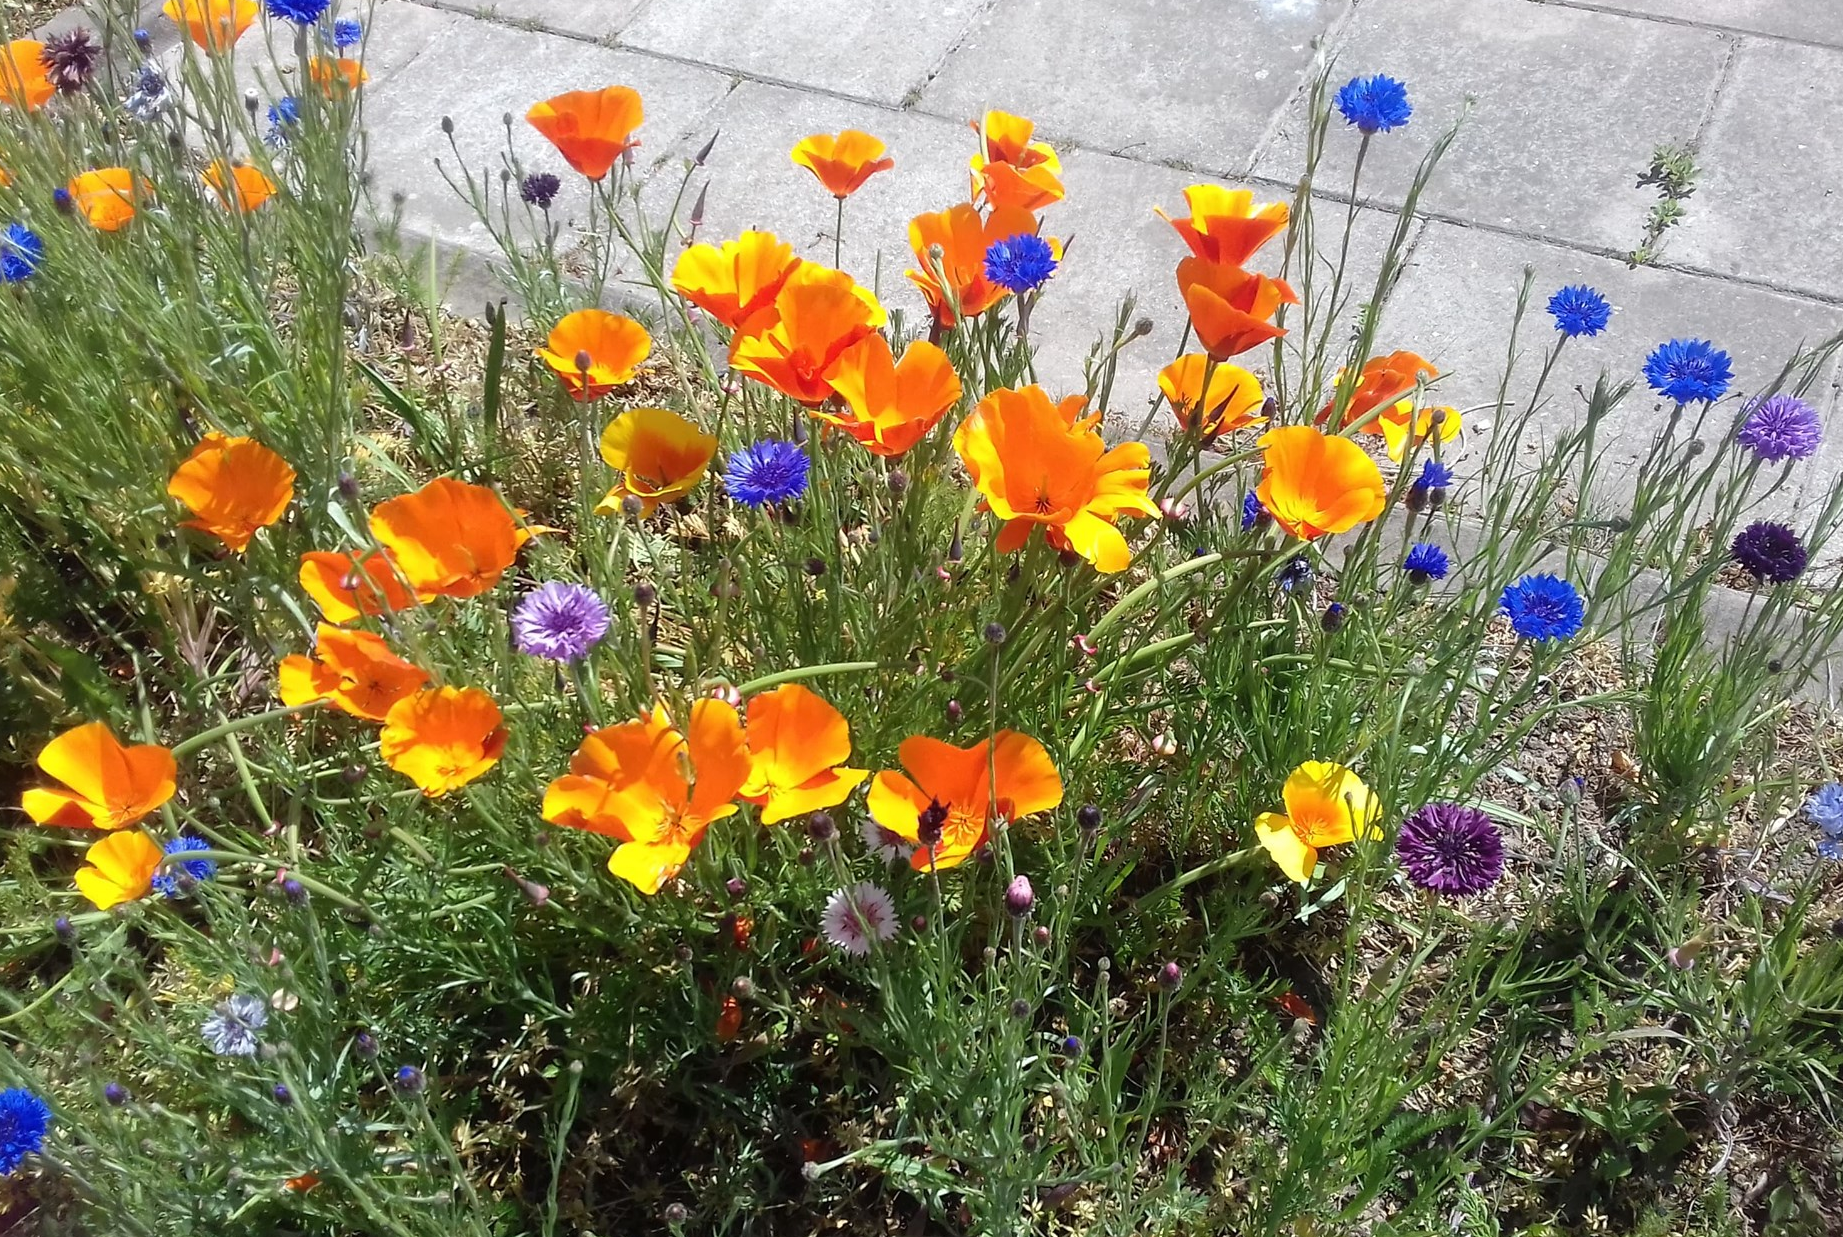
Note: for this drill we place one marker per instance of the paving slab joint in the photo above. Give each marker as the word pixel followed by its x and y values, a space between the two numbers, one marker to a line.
pixel 1328 40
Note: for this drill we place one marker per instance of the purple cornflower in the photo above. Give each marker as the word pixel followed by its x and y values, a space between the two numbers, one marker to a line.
pixel 559 621
pixel 1770 552
pixel 1825 809
pixel 1781 428
pixel 1451 849
pixel 167 880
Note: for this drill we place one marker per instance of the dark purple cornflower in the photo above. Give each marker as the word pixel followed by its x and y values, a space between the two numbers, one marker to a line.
pixel 540 189
pixel 1770 552
pixel 559 621
pixel 1781 428
pixel 1451 849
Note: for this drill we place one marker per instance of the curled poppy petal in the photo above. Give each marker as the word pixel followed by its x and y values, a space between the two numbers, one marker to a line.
pixel 660 455
pixel 233 486
pixel 443 738
pixel 612 345
pixel 737 282
pixel 1313 484
pixel 842 161
pixel 106 785
pixel 590 128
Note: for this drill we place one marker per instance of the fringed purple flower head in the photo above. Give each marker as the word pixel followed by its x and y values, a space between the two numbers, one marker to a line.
pixel 1451 849
pixel 1770 552
pixel 559 621
pixel 1781 428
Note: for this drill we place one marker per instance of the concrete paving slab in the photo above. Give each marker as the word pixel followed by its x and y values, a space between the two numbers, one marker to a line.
pixel 587 19
pixel 1811 21
pixel 1189 81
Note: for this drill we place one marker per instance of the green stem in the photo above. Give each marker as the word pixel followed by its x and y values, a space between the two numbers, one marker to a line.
pixel 206 738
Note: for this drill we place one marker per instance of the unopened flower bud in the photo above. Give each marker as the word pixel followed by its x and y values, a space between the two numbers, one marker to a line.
pixel 1041 936
pixel 820 827
pixel 353 774
pixel 1333 618
pixel 1019 896
pixel 898 481
pixel 1141 326
pixel 143 39
pixel 955 711
pixel 633 505
pixel 294 891
pixel 645 595
pixel 930 823
pixel 918 923
pixel 1683 956
pixel 409 1080
pixel 448 125
pixel 116 1094
pixel 66 931
pixel 736 886
pixel 703 154
pixel 1170 977
pixel 1088 816
pixel 251 101
pixel 743 987
pixel 994 633
pixel 805 857
pixel 1087 647
pixel 283 1095
pixel 815 567
pixel 675 1212
pixel 365 1044
pixel 682 953
pixel 1020 1009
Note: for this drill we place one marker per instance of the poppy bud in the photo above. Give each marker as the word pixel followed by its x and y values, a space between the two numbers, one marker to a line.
pixel 409 1080
pixel 1170 977
pixel 537 894
pixel 1683 956
pixel 820 827
pixel 955 550
pixel 1088 816
pixel 1270 407
pixel 703 154
pixel 994 633
pixel 1019 896
pixel 954 712
pixel 697 208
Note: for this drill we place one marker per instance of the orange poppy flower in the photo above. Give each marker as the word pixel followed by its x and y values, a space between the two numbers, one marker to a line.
pixel 107 785
pixel 820 313
pixel 590 128
pixel 233 486
pixel 355 670
pixel 1441 423
pixel 613 345
pixel 1314 484
pixel 1229 307
pixel 1326 805
pixel 1224 226
pixel 120 869
pixel 442 738
pixel 24 79
pixel 893 404
pixel 325 72
pixel 1235 395
pixel 660 455
pixel 798 745
pixel 1035 463
pixel 214 25
pixel 1384 380
pixel 964 236
pixel 345 586
pixel 655 789
pixel 842 162
pixel 239 185
pixel 738 282
pixel 449 539
pixel 105 197
pixel 962 790
pixel 1010 169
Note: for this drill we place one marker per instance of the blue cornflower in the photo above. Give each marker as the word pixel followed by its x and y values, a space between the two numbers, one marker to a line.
pixel 167 880
pixel 1374 104
pixel 284 114
pixel 1686 370
pixel 24 1118
pixel 1434 476
pixel 348 32
pixel 1022 263
pixel 1579 310
pixel 1825 808
pixel 231 1028
pixel 1543 607
pixel 1830 849
pixel 1252 511
pixel 1297 574
pixel 1426 561
pixel 770 471
pixel 301 12
pixel 20 252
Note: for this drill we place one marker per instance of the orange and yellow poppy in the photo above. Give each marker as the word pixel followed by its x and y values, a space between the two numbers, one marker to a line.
pixel 953 794
pixel 1235 395
pixel 354 670
pixel 590 128
pixel 1225 226
pixel 449 539
pixel 655 789
pixel 963 236
pixel 1230 308
pixel 106 785
pixel 1384 380
pixel 819 312
pixel 1429 423
pixel 737 283
pixel 660 455
pixel 239 186
pixel 25 80
pixel 1313 484
pixel 798 745
pixel 232 486
pixel 893 404
pixel 214 25
pixel 346 586
pixel 119 868
pixel 330 74
pixel 105 197
pixel 612 345
pixel 1326 805
pixel 1038 463
pixel 842 161
pixel 442 738
pixel 1012 171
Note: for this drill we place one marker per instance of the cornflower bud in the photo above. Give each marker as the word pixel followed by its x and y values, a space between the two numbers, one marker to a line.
pixel 1019 896
pixel 1170 977
pixel 408 1080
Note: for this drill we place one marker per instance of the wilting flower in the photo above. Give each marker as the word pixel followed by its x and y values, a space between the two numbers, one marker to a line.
pixel 346 586
pixel 301 12
pixel 1685 370
pixel 798 745
pixel 1021 263
pixel 449 539
pixel 1252 512
pixel 1234 401
pixel 590 128
pixel 108 786
pixel 612 345
pixel 284 115
pixel 354 670
pixel 634 781
pixel 240 185
pixel 348 32
pixel 739 281
pixel 539 189
pixel 1451 849
pixel 1231 308
pixel 1012 171
pixel 1037 464
pixel 105 197
pixel 1313 484
pixel 232 486
pixel 1326 805
pixel 1296 575
pixel 214 25
pixel 893 404
pixel 964 239
pixel 25 80
pixel 559 621
pixel 21 251
pixel 660 455
pixel 1825 809
pixel 70 59
pixel 198 870
pixel 24 1121
pixel 883 843
pixel 1425 562
pixel 951 795
pixel 856 916
pixel 1431 486
pixel 1543 607
pixel 1374 104
pixel 443 738
pixel 770 471
pixel 1225 226
pixel 1384 383
pixel 819 312
pixel 1430 424
pixel 1579 310
pixel 328 72
pixel 1770 552
pixel 842 161
pixel 1782 427
pixel 232 1026
pixel 151 98
pixel 120 868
